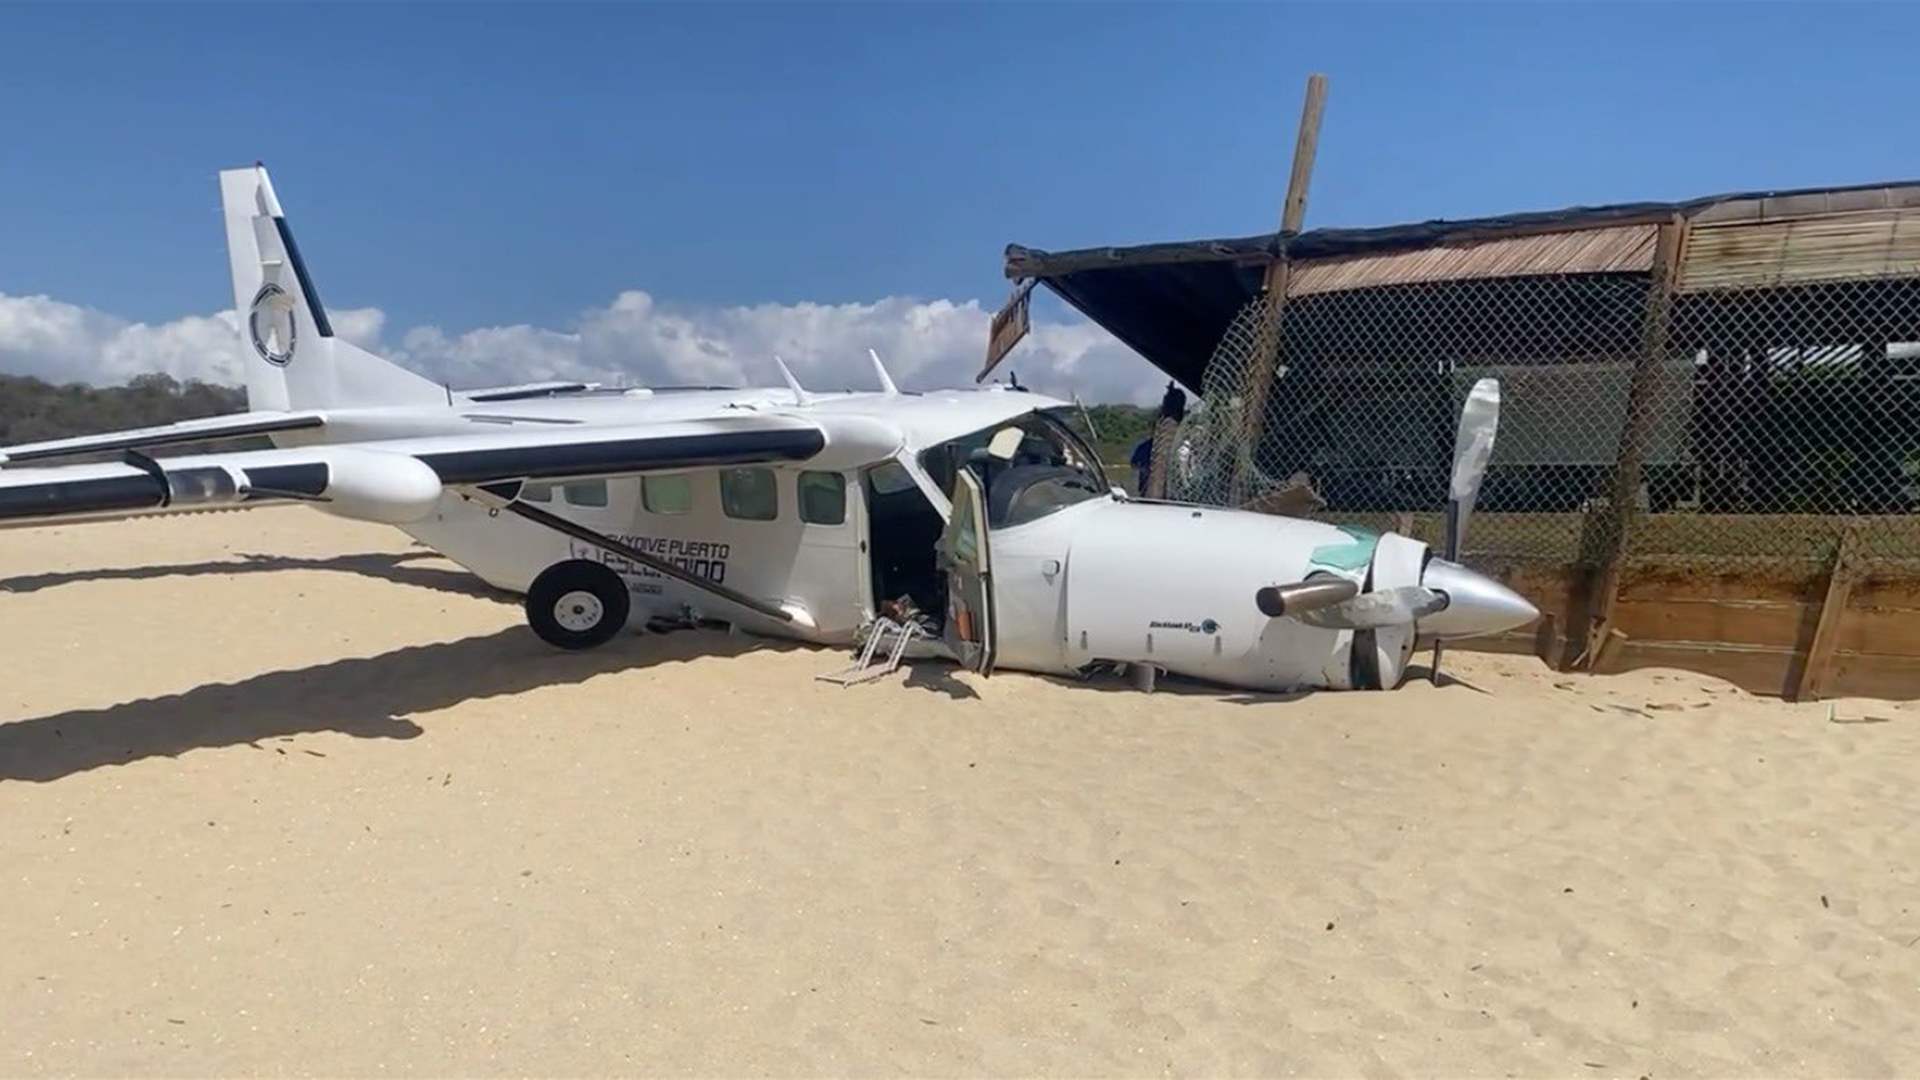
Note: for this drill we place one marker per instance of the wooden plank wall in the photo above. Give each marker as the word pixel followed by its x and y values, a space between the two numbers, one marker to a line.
pixel 1752 623
pixel 1691 597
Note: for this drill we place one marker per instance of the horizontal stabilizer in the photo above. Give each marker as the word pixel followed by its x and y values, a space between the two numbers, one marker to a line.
pixel 213 428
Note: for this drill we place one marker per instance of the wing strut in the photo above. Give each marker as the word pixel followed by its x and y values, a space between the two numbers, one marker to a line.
pixel 651 562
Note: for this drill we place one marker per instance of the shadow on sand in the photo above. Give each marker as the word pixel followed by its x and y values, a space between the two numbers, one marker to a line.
pixel 938 676
pixel 396 568
pixel 1180 686
pixel 1424 673
pixel 367 698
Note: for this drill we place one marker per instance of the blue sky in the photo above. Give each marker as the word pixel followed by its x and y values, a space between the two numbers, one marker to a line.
pixel 462 167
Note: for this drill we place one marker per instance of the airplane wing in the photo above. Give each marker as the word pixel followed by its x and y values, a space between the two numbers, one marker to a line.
pixel 397 480
pixel 236 426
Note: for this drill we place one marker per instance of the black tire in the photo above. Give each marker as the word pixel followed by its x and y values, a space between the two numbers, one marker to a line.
pixel 561 604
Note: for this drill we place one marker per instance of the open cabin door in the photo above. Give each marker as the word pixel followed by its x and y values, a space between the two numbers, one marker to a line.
pixel 963 554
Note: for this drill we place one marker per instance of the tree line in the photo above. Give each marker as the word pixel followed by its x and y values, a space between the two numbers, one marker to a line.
pixel 33 409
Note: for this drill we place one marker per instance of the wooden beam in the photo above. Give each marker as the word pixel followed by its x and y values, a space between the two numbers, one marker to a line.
pixel 1622 506
pixel 1815 672
pixel 1164 431
pixel 1293 214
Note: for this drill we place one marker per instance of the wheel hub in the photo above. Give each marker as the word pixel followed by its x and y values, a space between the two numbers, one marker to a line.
pixel 578 611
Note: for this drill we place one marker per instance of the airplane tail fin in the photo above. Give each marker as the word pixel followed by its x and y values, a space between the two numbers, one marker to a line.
pixel 293 359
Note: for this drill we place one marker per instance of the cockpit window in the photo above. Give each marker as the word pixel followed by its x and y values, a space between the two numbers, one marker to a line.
pixel 890 478
pixel 1050 469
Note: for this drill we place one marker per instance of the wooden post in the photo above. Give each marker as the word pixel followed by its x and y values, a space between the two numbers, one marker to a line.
pixel 1826 634
pixel 1622 506
pixel 1293 214
pixel 1166 426
pixel 1164 430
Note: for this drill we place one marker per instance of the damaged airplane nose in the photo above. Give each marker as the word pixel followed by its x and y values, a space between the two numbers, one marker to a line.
pixel 1476 604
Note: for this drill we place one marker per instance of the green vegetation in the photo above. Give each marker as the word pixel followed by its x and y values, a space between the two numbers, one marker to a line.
pixel 33 409
pixel 1117 429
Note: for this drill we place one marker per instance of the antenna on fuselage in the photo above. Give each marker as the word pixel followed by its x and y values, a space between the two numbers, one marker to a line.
pixel 800 396
pixel 886 380
pixel 1087 416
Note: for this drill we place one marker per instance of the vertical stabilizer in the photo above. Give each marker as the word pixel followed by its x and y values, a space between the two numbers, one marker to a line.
pixel 293 359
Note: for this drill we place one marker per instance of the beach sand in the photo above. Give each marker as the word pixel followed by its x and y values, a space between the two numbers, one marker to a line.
pixel 285 795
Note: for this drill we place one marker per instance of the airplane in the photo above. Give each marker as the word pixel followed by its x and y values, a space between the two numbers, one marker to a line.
pixel 780 511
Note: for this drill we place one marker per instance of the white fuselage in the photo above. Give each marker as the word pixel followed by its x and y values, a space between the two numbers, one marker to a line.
pixel 1106 580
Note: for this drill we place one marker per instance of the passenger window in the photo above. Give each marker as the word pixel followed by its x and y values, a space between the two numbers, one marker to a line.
pixel 823 498
pixel 666 494
pixel 585 493
pixel 540 493
pixel 749 494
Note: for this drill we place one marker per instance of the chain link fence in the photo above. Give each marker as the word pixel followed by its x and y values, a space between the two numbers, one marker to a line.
pixel 1735 423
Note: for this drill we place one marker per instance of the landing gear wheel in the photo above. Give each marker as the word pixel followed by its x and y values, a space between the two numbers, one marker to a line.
pixel 577 604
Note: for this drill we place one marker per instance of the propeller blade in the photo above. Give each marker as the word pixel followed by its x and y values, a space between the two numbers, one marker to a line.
pixel 1472 449
pixel 1381 607
pixel 1314 593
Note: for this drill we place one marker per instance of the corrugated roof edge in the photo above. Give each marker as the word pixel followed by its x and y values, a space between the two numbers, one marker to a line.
pixel 1025 262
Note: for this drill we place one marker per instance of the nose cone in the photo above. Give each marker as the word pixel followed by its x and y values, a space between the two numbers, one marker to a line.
pixel 1475 604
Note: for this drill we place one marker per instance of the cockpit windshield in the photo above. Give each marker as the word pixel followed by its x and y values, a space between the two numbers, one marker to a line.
pixel 1050 469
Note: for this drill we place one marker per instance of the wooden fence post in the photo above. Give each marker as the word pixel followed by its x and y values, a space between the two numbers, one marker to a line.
pixel 1293 214
pixel 1818 667
pixel 1622 506
pixel 1166 427
pixel 1164 431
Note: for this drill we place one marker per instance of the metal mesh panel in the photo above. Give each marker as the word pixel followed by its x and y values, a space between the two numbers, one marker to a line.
pixel 1367 386
pixel 1739 423
pixel 1800 421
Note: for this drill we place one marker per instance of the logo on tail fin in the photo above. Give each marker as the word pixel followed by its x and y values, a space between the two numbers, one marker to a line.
pixel 270 324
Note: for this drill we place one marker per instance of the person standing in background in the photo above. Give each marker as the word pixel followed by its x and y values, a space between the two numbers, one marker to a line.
pixel 1142 462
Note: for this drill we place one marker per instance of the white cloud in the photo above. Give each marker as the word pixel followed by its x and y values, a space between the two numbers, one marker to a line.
pixel 362 326
pixel 68 343
pixel 65 342
pixel 634 340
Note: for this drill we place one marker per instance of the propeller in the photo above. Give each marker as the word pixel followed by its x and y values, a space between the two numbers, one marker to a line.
pixel 1381 607
pixel 1472 449
pixel 1335 603
pixel 1318 592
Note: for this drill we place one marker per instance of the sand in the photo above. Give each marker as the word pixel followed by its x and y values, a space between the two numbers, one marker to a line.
pixel 285 795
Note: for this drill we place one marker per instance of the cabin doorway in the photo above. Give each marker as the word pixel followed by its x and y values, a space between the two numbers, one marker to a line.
pixel 903 530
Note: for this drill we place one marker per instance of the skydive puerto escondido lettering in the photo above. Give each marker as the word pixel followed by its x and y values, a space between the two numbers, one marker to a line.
pixel 704 559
